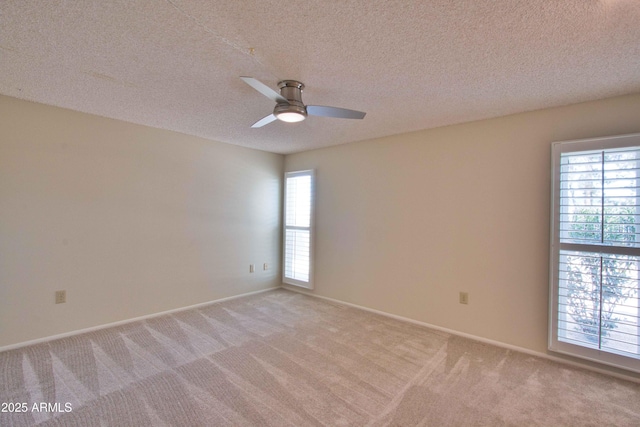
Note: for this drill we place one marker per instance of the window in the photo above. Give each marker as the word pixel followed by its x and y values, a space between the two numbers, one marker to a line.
pixel 298 228
pixel 595 250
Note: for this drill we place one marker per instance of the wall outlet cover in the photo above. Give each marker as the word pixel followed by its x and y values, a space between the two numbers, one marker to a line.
pixel 61 297
pixel 464 298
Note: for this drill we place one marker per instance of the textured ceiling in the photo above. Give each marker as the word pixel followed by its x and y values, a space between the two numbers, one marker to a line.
pixel 175 64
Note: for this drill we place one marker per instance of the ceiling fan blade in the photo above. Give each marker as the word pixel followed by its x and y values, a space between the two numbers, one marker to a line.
pixel 341 113
pixel 264 121
pixel 264 89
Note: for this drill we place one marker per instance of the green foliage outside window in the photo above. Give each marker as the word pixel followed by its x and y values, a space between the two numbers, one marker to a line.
pixel 596 285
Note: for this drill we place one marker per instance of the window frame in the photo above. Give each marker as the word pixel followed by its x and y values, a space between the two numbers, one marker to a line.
pixel 287 280
pixel 554 344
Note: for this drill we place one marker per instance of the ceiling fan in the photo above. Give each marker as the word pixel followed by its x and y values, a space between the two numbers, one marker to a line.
pixel 289 106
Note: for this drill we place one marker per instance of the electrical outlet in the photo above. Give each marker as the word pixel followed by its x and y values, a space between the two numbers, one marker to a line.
pixel 61 297
pixel 265 266
pixel 252 268
pixel 464 298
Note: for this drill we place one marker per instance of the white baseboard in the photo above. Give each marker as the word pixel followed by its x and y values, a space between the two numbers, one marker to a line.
pixel 124 322
pixel 473 337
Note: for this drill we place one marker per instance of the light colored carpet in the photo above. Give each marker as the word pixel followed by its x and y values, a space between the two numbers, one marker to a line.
pixel 284 359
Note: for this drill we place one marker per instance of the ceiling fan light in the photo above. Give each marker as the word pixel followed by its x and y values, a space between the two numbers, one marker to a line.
pixel 291 112
pixel 290 116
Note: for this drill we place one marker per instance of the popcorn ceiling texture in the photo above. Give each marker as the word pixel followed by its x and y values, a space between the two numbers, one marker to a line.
pixel 175 64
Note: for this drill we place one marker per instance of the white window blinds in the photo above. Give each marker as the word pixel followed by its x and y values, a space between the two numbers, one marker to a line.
pixel 298 228
pixel 595 310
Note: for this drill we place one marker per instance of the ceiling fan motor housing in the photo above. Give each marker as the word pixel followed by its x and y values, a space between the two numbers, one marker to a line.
pixel 292 91
pixel 289 106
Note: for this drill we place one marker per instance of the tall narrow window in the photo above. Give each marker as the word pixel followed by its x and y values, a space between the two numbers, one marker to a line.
pixel 595 250
pixel 298 228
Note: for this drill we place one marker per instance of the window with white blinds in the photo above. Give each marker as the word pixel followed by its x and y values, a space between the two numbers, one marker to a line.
pixel 298 228
pixel 595 249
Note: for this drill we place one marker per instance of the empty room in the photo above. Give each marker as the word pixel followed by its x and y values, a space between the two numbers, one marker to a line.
pixel 331 213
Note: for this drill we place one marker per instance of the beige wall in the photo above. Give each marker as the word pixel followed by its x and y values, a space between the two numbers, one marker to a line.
pixel 132 220
pixel 406 222
pixel 128 219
